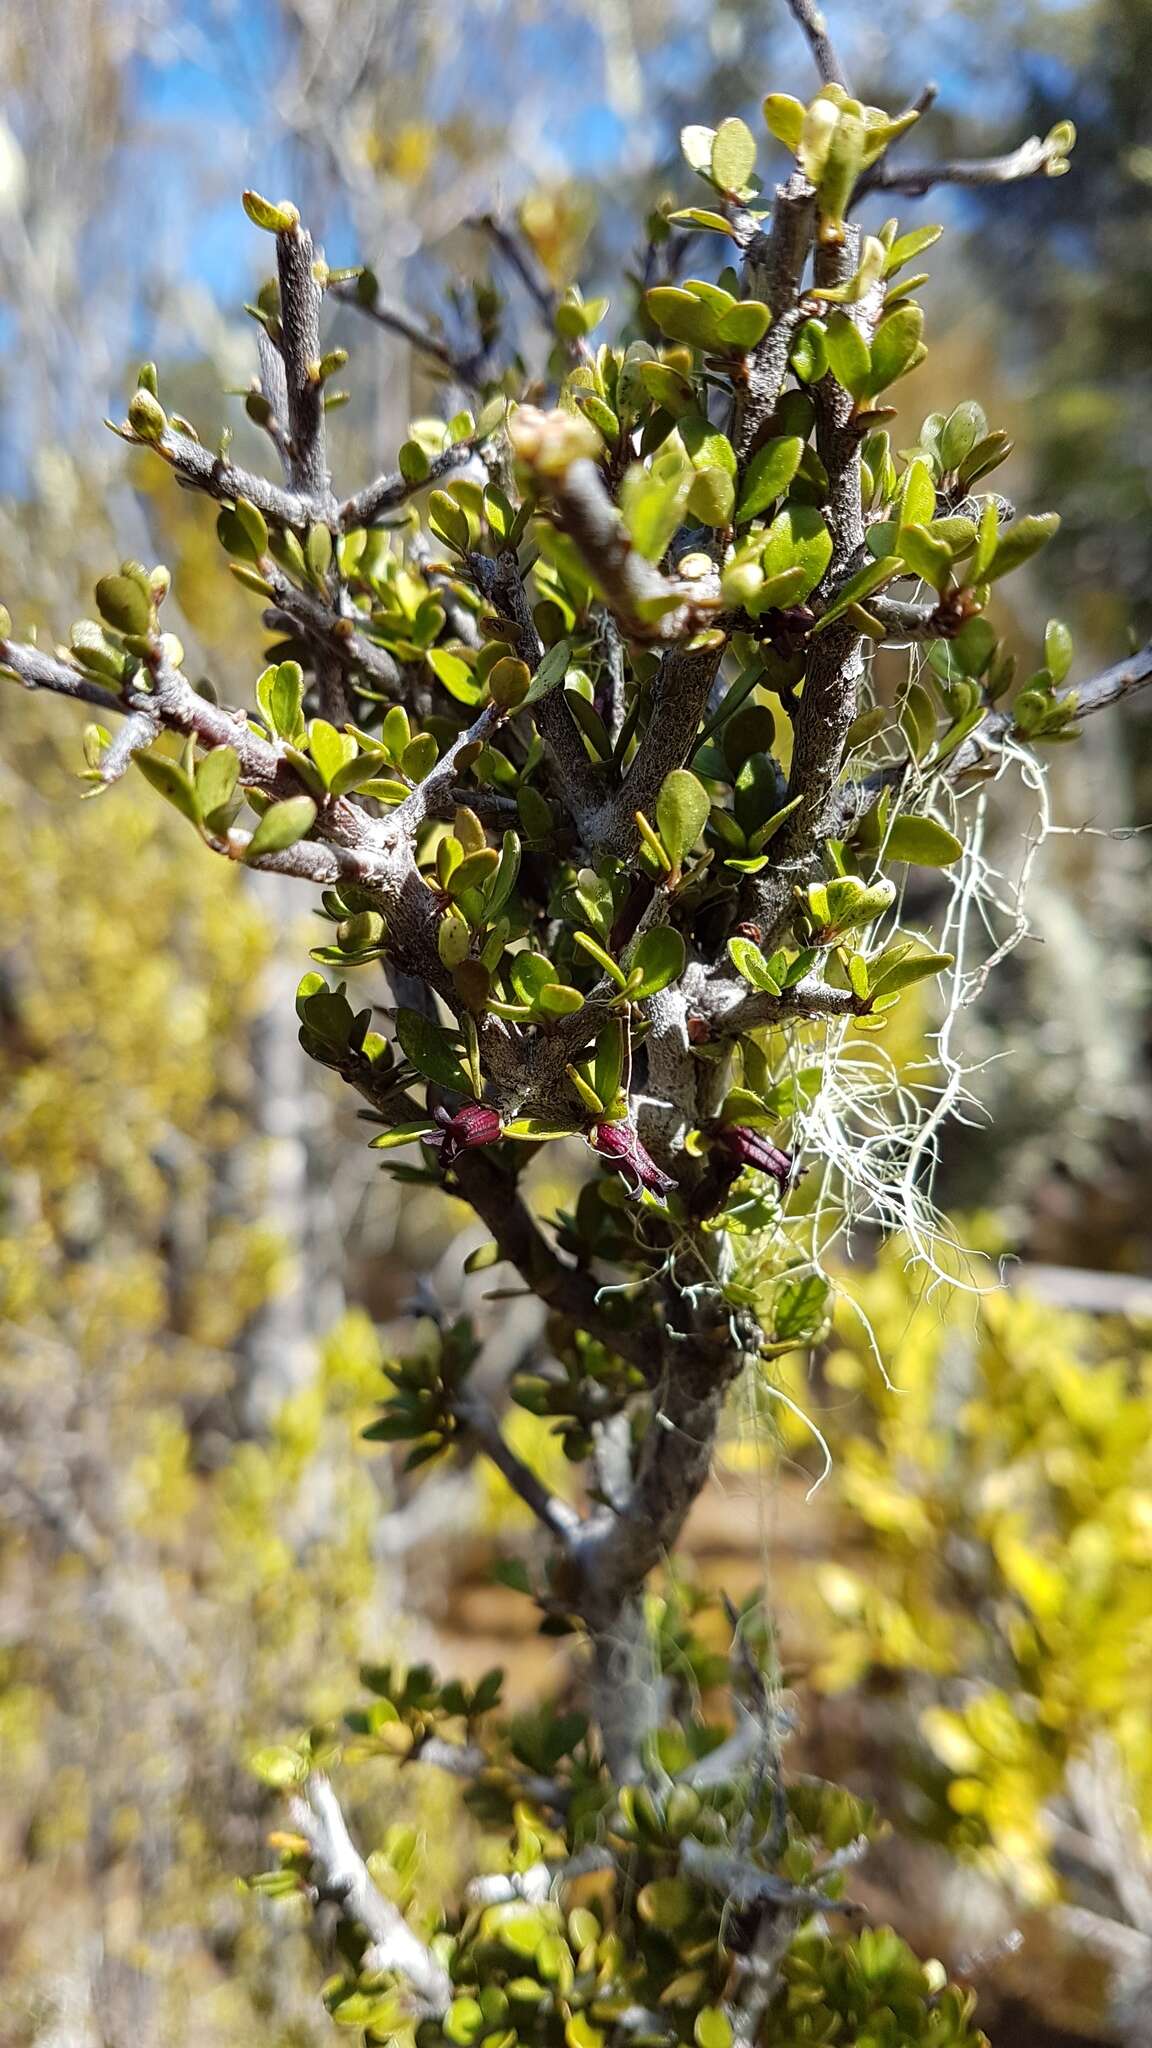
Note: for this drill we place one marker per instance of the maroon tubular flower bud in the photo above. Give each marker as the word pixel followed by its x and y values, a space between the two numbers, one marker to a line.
pixel 475 1124
pixel 751 1148
pixel 620 1145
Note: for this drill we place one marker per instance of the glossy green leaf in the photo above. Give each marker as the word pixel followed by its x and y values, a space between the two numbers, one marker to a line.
pixel 281 826
pixel 733 156
pixel 172 781
pixel 923 841
pixel 849 357
pixel 769 474
pixel 896 347
pixel 681 813
pixel 797 540
pixel 658 957
pixel 1020 541
pixel 429 1049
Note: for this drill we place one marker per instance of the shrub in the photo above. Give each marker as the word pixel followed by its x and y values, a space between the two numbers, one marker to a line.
pixel 570 720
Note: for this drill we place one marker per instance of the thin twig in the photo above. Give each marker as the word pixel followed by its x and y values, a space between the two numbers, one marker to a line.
pixel 1030 160
pixel 344 1876
pixel 399 320
pixel 200 470
pixel 300 302
pixel 392 492
pixel 479 1420
pixel 812 21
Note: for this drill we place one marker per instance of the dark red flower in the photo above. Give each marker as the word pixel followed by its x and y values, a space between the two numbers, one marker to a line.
pixel 619 1144
pixel 751 1148
pixel 475 1124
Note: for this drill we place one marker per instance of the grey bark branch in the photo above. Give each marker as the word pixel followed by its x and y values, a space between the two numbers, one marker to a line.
pixel 835 662
pixel 201 470
pixel 774 265
pixel 569 1290
pixel 1111 686
pixel 39 671
pixel 344 1877
pixel 479 1420
pixel 628 580
pixel 732 1007
pixel 1030 160
pixel 811 20
pixel 578 785
pixel 392 492
pixel 338 636
pixel 681 695
pixel 300 301
pixel 138 731
pixel 429 795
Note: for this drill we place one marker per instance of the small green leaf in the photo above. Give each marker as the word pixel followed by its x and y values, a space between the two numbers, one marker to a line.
pixel 536 1130
pixel 681 813
pixel 429 1049
pixel 667 1904
pixel 401 1134
pixel 455 674
pixel 463 2022
pixel 713 2028
pixel 896 347
pixel 908 246
pixel 922 841
pixel 557 999
pixel 216 778
pixel 275 220
pixel 744 325
pixel 281 826
pixel 652 503
pixel 908 968
pixel 1019 542
pixel 552 670
pixel 123 604
pixel 330 750
pixel 597 952
pixel 474 871
pixel 784 118
pixel 172 782
pixel 696 148
pixel 254 523
pixel 749 961
pixel 682 316
pixel 733 156
pixel 862 584
pixel 448 521
pixel 414 462
pixel 809 357
pixel 849 357
pixel 147 417
pixel 279 1767
pixel 509 682
pixel 1058 650
pixel 964 427
pixel 797 540
pixel 318 551
pixel 280 694
pixel 658 957
pixel 769 474
pixel 917 495
pixel 927 558
pixel 712 497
